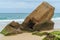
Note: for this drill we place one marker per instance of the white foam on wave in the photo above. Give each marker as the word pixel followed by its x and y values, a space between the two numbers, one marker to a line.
pixel 56 22
pixel 13 20
pixel 56 18
pixel 23 19
pixel 3 23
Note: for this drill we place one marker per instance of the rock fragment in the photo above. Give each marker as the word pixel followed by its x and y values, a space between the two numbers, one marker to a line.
pixel 12 28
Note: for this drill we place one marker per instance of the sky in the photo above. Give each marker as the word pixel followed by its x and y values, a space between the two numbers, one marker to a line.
pixel 25 6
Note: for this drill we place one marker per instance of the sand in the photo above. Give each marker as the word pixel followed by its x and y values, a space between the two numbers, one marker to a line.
pixel 24 36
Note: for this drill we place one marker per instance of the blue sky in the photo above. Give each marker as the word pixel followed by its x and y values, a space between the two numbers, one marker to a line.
pixel 25 6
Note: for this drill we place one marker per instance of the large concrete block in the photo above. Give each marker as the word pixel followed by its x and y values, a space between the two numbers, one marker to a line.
pixel 49 25
pixel 14 24
pixel 12 28
pixel 40 15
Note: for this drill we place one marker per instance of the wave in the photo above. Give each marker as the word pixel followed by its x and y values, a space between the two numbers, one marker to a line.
pixel 58 18
pixel 13 20
pixel 23 19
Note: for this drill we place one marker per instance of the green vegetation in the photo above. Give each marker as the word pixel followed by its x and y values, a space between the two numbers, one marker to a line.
pixel 55 38
pixel 39 33
pixel 56 32
pixel 4 32
pixel 55 35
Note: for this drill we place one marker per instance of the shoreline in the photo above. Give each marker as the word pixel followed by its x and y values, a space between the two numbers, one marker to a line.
pixel 58 18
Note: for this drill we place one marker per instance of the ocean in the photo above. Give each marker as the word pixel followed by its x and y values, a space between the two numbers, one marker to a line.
pixel 5 16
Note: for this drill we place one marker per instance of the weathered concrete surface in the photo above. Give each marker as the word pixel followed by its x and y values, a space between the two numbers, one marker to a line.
pixel 40 15
pixel 12 28
pixel 49 25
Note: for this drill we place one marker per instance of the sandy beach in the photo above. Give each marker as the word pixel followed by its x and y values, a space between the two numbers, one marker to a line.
pixel 24 36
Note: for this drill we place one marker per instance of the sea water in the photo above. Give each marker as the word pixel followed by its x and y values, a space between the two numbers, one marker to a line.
pixel 5 16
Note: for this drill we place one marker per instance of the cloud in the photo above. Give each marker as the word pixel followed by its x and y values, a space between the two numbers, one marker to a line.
pixel 19 0
pixel 17 5
pixel 26 5
pixel 23 4
pixel 12 5
pixel 51 0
